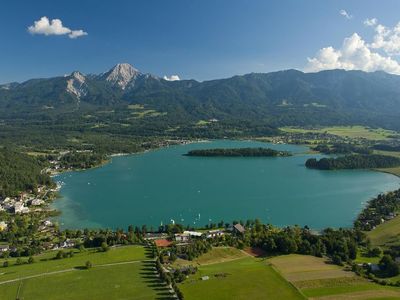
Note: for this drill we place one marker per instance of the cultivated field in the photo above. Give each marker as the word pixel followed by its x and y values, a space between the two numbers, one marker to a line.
pixel 318 280
pixel 245 278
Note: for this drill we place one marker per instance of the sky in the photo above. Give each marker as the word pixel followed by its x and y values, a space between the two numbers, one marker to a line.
pixel 196 39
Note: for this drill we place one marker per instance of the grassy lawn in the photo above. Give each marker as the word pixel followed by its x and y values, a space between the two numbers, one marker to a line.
pixel 45 262
pixel 246 278
pixel 319 280
pixel 120 273
pixel 114 282
pixel 386 234
pixel 346 131
pixel 216 255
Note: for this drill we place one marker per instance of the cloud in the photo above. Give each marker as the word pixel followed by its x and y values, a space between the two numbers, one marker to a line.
pixel 54 27
pixel 387 39
pixel 370 22
pixel 345 14
pixel 355 54
pixel 172 78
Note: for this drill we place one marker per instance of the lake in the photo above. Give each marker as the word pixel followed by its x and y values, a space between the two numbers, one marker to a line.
pixel 163 186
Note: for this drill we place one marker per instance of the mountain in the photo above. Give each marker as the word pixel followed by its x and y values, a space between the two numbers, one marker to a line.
pixel 279 98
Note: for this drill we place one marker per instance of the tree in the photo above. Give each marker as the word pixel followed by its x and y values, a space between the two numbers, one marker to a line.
pixel 388 266
pixel 88 265
pixel 104 247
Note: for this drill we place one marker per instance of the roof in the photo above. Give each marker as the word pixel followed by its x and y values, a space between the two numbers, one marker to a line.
pixel 163 243
pixel 239 228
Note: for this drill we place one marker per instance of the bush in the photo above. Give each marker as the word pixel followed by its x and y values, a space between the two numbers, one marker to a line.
pixel 5 264
pixel 88 265
pixel 31 260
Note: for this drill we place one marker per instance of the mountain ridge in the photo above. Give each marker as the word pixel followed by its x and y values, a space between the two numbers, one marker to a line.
pixel 287 97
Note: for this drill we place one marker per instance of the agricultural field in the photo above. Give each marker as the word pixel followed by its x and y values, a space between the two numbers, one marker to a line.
pixel 318 280
pixel 244 278
pixel 120 273
pixel 347 131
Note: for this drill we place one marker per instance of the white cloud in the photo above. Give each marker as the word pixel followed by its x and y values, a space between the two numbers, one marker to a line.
pixel 345 14
pixel 172 78
pixel 355 54
pixel 77 33
pixel 370 22
pixel 387 39
pixel 54 27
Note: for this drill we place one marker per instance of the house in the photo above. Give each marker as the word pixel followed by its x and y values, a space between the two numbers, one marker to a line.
pixel 20 208
pixel 3 226
pixel 37 202
pixel 4 248
pixel 162 243
pixel 182 237
pixel 155 236
pixel 374 267
pixel 238 228
pixel 193 233
pixel 214 233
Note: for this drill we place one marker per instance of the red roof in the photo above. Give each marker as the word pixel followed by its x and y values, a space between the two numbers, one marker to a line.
pixel 163 243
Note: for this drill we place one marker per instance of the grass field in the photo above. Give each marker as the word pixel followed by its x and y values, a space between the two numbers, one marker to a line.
pixel 386 234
pixel 347 131
pixel 216 255
pixel 318 280
pixel 245 278
pixel 120 273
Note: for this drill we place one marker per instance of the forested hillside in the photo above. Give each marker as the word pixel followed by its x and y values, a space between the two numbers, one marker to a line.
pixel 20 172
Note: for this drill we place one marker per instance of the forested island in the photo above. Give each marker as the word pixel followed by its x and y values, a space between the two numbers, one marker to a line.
pixel 234 152
pixel 354 161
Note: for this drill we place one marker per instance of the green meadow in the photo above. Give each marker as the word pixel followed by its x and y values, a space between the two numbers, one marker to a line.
pixel 245 278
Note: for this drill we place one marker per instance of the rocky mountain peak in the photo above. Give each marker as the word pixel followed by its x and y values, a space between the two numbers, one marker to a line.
pixel 121 75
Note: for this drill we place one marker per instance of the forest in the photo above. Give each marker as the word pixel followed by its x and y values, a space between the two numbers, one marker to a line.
pixel 354 161
pixel 20 172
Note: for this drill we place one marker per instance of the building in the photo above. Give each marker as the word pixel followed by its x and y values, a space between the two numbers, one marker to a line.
pixel 37 202
pixel 4 248
pixel 162 243
pixel 3 226
pixel 214 233
pixel 182 237
pixel 19 208
pixel 238 228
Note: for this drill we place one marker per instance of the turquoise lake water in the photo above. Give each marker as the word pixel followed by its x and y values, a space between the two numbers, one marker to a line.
pixel 163 185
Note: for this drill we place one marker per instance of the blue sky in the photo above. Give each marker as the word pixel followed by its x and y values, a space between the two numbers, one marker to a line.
pixel 198 39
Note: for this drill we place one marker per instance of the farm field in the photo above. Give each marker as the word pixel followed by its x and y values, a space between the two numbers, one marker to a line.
pixel 347 131
pixel 318 280
pixel 120 273
pixel 245 278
